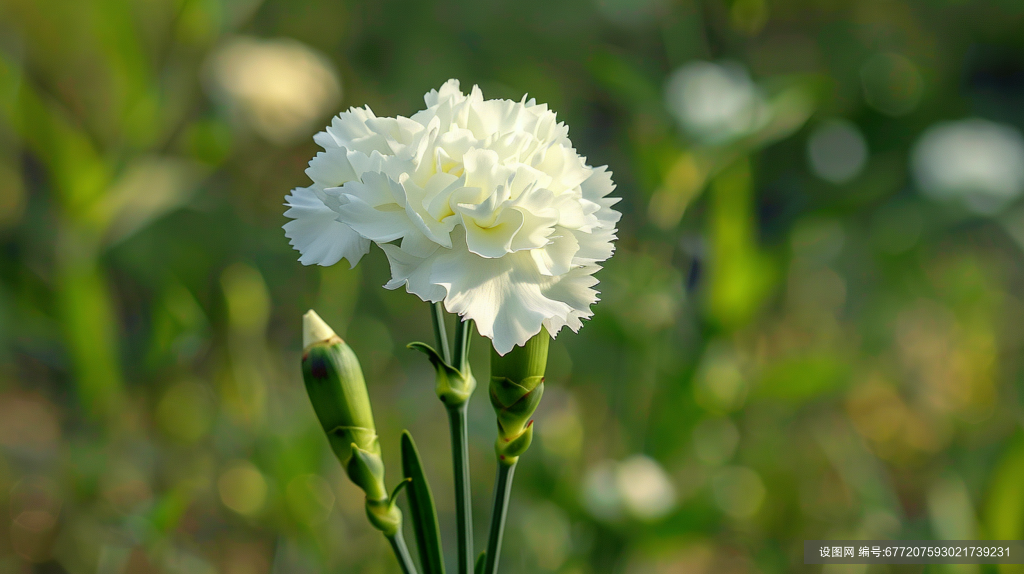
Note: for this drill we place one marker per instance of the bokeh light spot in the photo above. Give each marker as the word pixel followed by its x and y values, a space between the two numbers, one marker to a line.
pixel 242 488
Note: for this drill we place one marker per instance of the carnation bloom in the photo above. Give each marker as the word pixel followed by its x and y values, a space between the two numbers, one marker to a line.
pixel 482 204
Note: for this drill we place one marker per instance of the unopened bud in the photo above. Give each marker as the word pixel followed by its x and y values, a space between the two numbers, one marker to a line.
pixel 335 384
pixel 517 384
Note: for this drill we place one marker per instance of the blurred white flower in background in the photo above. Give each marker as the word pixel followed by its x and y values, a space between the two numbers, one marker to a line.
pixel 645 487
pixel 278 88
pixel 978 162
pixel 637 487
pixel 837 151
pixel 482 204
pixel 716 103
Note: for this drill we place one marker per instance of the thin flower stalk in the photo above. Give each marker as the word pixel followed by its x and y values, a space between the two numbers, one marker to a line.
pixel 517 385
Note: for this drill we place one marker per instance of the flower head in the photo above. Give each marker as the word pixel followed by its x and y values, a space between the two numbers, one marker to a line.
pixel 482 204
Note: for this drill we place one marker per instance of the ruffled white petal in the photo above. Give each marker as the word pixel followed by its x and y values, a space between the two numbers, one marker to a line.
pixel 316 232
pixel 413 272
pixel 502 295
pixel 575 288
pixel 331 168
pixel 556 258
pixel 508 297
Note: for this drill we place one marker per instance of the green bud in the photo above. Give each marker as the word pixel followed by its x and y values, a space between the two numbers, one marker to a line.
pixel 336 388
pixel 517 385
pixel 452 386
pixel 335 384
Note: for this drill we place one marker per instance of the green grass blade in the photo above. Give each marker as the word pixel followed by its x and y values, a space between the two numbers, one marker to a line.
pixel 421 504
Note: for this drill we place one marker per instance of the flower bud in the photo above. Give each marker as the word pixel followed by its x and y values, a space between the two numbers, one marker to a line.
pixel 335 384
pixel 517 384
pixel 453 387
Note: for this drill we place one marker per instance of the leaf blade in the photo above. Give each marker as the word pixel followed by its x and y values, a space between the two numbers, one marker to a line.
pixel 421 505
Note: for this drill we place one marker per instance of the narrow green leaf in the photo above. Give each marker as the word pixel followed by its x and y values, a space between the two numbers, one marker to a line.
pixel 394 493
pixel 435 358
pixel 421 505
pixel 481 562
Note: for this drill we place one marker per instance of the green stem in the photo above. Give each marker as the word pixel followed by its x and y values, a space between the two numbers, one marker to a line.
pixel 458 422
pixel 458 419
pixel 463 329
pixel 402 553
pixel 502 492
pixel 440 334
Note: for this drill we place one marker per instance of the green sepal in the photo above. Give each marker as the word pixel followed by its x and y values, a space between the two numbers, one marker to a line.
pixel 366 469
pixel 509 449
pixel 453 386
pixel 514 403
pixel 341 440
pixel 507 391
pixel 384 516
pixel 421 506
pixel 481 562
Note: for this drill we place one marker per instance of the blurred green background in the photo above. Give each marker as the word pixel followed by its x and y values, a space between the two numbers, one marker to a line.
pixel 812 327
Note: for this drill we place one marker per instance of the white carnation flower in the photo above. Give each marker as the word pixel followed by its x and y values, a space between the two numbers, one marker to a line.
pixel 482 204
